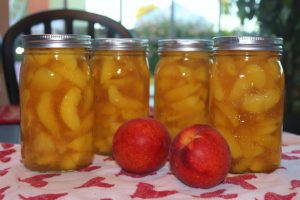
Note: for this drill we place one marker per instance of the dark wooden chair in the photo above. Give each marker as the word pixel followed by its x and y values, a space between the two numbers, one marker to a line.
pixel 291 123
pixel 96 26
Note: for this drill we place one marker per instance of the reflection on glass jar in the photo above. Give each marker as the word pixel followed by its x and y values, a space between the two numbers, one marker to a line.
pixel 181 83
pixel 247 100
pixel 121 85
pixel 56 99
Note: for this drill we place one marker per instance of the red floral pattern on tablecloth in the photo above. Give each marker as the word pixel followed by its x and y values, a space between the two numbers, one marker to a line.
pixel 9 114
pixel 104 180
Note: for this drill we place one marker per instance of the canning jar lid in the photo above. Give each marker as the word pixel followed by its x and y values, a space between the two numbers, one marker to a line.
pixel 185 45
pixel 56 41
pixel 249 43
pixel 126 44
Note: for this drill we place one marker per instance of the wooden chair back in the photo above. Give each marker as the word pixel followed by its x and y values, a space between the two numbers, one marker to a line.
pixel 96 26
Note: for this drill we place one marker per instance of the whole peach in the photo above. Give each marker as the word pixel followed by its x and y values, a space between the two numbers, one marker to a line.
pixel 200 156
pixel 141 145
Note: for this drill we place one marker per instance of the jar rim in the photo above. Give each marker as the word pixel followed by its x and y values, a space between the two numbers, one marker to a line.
pixel 56 41
pixel 123 44
pixel 250 43
pixel 184 45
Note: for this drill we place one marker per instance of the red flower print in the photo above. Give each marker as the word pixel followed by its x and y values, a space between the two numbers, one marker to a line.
pixel 274 196
pixel 96 182
pixel 5 153
pixel 145 191
pixel 217 194
pixel 287 157
pixel 2 190
pixel 44 196
pixel 110 158
pixel 9 114
pixel 90 168
pixel 241 181
pixel 4 171
pixel 296 151
pixel 37 181
pixel 7 145
pixel 132 175
pixel 295 184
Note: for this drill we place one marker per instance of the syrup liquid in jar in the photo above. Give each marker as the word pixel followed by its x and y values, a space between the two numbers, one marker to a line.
pixel 247 100
pixel 56 98
pixel 181 83
pixel 121 86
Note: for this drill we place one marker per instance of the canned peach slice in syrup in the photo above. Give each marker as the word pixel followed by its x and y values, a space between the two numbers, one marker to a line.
pixel 56 99
pixel 246 100
pixel 121 86
pixel 181 83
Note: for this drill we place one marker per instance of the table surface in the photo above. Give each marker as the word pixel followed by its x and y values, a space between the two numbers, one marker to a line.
pixel 103 179
pixel 10 133
pixel 9 124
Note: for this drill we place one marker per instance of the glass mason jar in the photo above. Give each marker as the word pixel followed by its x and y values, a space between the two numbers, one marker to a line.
pixel 181 83
pixel 247 100
pixel 56 98
pixel 121 86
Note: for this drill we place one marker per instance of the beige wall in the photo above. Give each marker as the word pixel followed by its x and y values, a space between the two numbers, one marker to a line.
pixel 3 93
pixel 4 24
pixel 37 6
pixel 4 16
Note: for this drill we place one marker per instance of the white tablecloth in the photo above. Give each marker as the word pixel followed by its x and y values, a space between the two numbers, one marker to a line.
pixel 103 179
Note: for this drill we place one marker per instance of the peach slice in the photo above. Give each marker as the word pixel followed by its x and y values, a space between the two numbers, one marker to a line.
pixel 187 103
pixel 45 111
pixel 241 165
pixel 131 114
pixel 69 108
pixel 88 100
pixel 235 148
pixel 184 71
pixel 201 73
pixel 255 75
pixel 42 59
pixel 74 75
pixel 103 144
pixel 105 108
pixel 121 101
pixel 217 89
pixel 240 87
pixel 71 160
pixel 259 103
pixel 43 143
pixel 45 79
pixel 230 112
pixel 229 66
pixel 69 60
pixel 81 143
pixel 47 159
pixel 87 123
pixel 178 93
pixel 108 70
